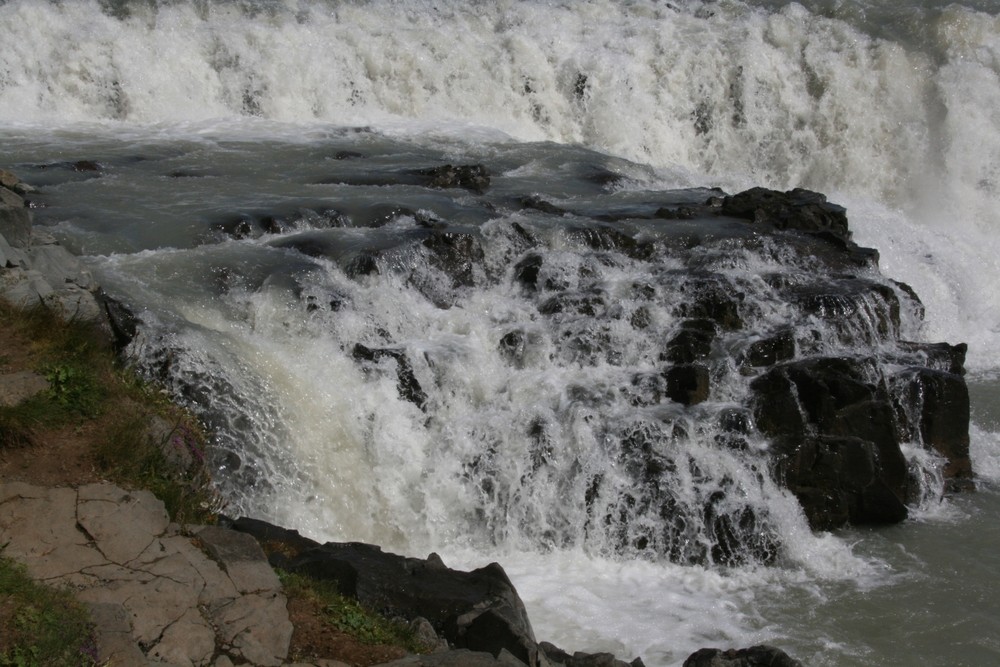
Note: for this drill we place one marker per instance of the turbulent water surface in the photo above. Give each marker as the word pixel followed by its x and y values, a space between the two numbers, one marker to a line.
pixel 255 161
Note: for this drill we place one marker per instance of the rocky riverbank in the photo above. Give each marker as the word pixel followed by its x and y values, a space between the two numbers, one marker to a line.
pixel 162 593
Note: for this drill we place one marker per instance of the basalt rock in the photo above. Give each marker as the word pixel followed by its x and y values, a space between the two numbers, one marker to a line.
pixel 406 382
pixel 797 209
pixel 456 254
pixel 478 610
pixel 836 440
pixel 474 177
pixel 755 656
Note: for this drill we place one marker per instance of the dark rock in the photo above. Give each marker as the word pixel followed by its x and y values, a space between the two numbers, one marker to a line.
pixel 838 480
pixel 456 254
pixel 941 403
pixel 937 356
pixel 512 346
pixel 527 269
pixel 478 610
pixel 474 177
pixel 537 203
pixel 588 304
pixel 712 297
pixel 687 384
pixel 692 343
pixel 797 209
pixel 122 321
pixel 610 239
pixel 406 382
pixel 755 656
pixel 837 444
pixel 86 165
pixel 363 264
pixel 771 350
pixel 557 656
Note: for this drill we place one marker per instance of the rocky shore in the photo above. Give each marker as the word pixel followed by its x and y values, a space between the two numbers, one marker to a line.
pixel 161 593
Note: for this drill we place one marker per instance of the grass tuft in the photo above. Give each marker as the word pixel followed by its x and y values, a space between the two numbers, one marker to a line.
pixel 348 615
pixel 41 626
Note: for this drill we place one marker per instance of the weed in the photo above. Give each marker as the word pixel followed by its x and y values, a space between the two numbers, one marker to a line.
pixel 41 626
pixel 348 615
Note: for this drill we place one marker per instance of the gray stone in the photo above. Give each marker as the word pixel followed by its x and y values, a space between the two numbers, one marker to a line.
pixel 113 635
pixel 242 558
pixel 15 219
pixel 16 387
pixel 75 303
pixel 187 642
pixel 122 524
pixel 39 530
pixel 257 627
pixel 152 606
pixel 24 287
pixel 58 265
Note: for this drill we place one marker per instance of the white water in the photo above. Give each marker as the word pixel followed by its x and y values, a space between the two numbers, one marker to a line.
pixel 903 133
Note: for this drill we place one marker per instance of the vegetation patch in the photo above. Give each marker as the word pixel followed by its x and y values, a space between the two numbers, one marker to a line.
pixel 141 439
pixel 41 626
pixel 348 615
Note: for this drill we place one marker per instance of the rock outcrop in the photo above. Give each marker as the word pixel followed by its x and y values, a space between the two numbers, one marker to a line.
pixel 34 268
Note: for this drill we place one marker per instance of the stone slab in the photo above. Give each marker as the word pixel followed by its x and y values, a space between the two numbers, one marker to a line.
pixel 242 559
pixel 122 523
pixel 113 633
pixel 17 387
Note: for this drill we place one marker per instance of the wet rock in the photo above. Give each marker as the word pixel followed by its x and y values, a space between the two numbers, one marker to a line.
pixel 837 444
pixel 755 656
pixel 940 401
pixel 456 254
pixel 122 321
pixel 692 343
pixel 474 177
pixel 797 209
pixel 687 384
pixel 538 204
pixel 406 382
pixel 605 238
pixel 557 656
pixel 527 269
pixel 712 297
pixel 771 350
pixel 478 610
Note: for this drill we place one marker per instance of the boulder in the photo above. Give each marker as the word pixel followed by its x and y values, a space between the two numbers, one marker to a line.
pixel 15 219
pixel 836 441
pixel 797 209
pixel 456 254
pixel 474 177
pixel 755 656
pixel 478 610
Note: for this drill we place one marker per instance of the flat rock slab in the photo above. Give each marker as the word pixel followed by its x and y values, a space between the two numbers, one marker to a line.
pixel 155 597
pixel 17 387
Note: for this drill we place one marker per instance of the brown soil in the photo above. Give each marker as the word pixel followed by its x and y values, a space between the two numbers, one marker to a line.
pixel 64 457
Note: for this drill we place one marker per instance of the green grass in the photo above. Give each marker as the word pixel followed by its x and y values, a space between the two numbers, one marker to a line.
pixel 348 615
pixel 88 385
pixel 41 626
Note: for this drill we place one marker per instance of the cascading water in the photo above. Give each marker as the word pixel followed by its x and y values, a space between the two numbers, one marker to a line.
pixel 258 203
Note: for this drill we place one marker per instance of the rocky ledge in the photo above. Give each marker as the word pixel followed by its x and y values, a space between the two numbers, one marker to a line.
pixel 163 594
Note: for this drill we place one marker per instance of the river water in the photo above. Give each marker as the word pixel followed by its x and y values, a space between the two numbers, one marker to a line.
pixel 202 116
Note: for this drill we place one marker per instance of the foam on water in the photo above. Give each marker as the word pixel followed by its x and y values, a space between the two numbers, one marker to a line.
pixel 901 131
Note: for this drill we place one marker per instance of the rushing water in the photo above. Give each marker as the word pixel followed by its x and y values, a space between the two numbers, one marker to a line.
pixel 202 115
